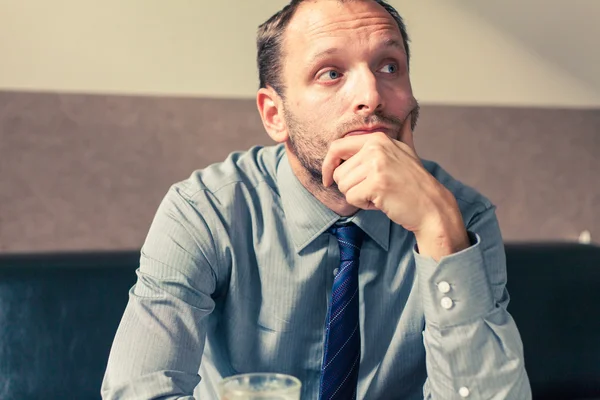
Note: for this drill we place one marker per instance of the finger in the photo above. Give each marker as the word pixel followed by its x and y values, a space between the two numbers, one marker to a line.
pixel 340 150
pixel 360 196
pixel 347 166
pixel 352 177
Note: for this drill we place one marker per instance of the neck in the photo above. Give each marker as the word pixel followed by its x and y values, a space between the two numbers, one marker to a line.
pixel 331 197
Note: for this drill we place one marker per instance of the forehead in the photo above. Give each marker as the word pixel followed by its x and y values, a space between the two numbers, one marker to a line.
pixel 321 23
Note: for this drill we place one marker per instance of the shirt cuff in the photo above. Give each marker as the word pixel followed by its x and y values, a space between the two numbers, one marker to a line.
pixel 454 290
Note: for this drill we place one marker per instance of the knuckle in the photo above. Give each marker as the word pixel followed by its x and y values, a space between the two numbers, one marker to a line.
pixel 381 136
pixel 380 182
pixel 373 146
pixel 379 164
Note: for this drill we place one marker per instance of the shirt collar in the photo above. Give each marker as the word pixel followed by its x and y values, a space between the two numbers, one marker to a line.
pixel 308 217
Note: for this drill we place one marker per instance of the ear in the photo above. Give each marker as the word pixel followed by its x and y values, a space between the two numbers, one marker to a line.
pixel 270 108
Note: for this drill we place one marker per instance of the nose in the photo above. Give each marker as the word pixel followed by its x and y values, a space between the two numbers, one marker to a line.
pixel 368 97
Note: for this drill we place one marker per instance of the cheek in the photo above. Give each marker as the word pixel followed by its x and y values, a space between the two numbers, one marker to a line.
pixel 321 112
pixel 400 101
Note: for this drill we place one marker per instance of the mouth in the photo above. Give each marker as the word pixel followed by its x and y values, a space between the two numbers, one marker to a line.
pixel 367 130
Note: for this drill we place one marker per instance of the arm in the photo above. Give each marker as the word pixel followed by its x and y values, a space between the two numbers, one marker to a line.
pixel 473 346
pixel 158 346
pixel 474 343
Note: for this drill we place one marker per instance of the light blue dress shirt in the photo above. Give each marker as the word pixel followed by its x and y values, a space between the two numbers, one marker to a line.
pixel 235 276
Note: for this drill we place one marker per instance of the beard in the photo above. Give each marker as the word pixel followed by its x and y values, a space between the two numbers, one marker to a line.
pixel 310 144
pixel 309 149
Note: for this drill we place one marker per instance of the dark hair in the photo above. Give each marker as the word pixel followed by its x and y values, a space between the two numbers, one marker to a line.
pixel 270 37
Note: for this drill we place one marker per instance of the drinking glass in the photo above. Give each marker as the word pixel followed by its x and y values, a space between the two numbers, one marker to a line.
pixel 260 386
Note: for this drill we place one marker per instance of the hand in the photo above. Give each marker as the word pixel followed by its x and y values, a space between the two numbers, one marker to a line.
pixel 374 171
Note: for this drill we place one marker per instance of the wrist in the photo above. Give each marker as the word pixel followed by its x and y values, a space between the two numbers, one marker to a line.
pixel 443 233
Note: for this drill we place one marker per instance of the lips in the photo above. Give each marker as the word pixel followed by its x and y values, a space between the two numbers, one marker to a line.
pixel 366 131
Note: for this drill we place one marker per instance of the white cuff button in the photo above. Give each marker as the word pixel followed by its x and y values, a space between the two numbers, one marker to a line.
pixel 443 287
pixel 464 392
pixel 335 271
pixel 447 303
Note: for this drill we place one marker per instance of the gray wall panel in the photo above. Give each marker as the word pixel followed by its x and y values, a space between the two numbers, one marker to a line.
pixel 81 172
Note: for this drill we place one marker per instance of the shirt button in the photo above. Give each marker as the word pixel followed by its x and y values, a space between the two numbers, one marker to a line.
pixel 447 303
pixel 444 287
pixel 464 392
pixel 335 271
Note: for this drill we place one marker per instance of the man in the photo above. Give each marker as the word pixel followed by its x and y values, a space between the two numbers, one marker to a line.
pixel 337 256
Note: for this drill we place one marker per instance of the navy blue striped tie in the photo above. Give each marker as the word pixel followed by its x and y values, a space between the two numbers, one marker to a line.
pixel 341 358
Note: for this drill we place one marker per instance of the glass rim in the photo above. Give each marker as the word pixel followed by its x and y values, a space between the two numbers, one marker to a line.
pixel 297 383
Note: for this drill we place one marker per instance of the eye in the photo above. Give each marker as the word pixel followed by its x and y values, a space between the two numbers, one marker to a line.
pixel 390 68
pixel 330 75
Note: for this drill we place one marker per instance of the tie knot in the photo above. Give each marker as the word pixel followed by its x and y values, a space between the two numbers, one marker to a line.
pixel 350 238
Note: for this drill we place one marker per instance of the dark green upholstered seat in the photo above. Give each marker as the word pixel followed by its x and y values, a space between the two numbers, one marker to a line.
pixel 59 314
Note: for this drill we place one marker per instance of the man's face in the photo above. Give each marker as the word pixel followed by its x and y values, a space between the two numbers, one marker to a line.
pixel 345 69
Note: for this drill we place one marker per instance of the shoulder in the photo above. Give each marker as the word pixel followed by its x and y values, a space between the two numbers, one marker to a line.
pixel 202 209
pixel 246 169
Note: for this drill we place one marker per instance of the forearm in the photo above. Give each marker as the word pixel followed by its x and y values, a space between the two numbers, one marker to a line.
pixel 156 351
pixel 472 344
pixel 481 359
pixel 159 344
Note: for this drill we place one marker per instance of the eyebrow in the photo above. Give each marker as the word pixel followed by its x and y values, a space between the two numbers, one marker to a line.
pixel 385 44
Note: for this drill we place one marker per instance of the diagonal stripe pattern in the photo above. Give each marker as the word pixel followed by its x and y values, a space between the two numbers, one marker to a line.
pixel 341 358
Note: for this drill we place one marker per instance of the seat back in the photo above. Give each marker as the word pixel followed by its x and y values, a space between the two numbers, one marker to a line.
pixel 555 301
pixel 58 317
pixel 59 314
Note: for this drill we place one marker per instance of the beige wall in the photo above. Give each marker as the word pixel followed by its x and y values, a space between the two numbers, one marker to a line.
pixel 464 52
